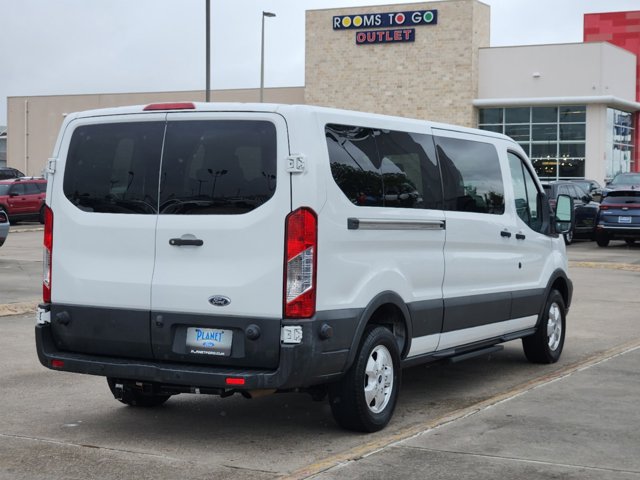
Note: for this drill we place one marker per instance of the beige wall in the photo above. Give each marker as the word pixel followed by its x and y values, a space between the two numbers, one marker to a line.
pixel 33 122
pixel 435 77
pixel 567 70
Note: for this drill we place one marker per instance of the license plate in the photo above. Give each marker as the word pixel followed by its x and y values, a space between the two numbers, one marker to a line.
pixel 624 219
pixel 209 341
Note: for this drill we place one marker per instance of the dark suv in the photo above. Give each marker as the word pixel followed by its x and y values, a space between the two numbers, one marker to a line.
pixel 23 198
pixel 619 217
pixel 586 210
pixel 8 172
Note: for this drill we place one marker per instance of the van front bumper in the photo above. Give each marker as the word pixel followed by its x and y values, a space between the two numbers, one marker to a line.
pixel 300 365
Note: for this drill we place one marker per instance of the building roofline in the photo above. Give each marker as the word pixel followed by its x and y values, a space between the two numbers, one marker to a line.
pixel 609 100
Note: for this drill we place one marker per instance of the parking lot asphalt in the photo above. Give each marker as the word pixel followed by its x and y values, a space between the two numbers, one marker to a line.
pixel 494 417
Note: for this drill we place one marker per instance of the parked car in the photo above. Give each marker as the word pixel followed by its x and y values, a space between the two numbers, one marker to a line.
pixel 8 172
pixel 4 227
pixel 622 181
pixel 586 210
pixel 592 187
pixel 23 198
pixel 619 217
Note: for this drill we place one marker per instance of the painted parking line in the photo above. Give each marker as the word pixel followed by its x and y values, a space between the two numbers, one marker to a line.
pixel 606 265
pixel 22 308
pixel 390 439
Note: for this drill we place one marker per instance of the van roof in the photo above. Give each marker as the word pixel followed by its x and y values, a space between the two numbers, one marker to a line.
pixel 188 106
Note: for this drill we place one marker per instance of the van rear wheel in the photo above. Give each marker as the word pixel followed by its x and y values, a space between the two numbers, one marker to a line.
pixel 365 398
pixel 545 346
pixel 133 397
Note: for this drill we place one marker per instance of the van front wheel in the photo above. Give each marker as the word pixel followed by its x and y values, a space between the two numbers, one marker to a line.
pixel 545 346
pixel 134 398
pixel 365 398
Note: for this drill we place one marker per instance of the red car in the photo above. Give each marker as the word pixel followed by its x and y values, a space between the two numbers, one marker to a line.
pixel 23 198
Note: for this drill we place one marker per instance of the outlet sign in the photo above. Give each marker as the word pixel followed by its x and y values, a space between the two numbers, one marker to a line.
pixel 382 20
pixel 385 36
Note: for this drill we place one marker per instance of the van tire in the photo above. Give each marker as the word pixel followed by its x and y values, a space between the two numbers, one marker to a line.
pixel 377 366
pixel 134 398
pixel 545 346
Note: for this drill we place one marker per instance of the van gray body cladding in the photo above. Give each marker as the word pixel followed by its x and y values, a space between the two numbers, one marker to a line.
pixel 160 336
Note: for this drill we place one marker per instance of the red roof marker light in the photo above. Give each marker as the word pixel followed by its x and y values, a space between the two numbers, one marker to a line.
pixel 170 106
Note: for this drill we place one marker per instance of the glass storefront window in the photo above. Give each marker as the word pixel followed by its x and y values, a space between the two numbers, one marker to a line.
pixel 573 131
pixel 573 114
pixel 517 115
pixel 571 168
pixel 619 149
pixel 493 128
pixel 544 132
pixel 518 132
pixel 544 115
pixel 491 115
pixel 554 137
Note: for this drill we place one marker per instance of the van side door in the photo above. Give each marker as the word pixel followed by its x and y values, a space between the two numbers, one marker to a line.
pixel 479 264
pixel 531 247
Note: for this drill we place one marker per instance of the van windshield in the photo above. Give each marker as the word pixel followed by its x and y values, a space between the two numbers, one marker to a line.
pixel 194 167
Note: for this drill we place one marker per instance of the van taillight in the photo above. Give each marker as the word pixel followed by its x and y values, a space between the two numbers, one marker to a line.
pixel 301 255
pixel 48 248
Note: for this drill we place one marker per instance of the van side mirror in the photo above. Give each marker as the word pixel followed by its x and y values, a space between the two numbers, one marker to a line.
pixel 564 214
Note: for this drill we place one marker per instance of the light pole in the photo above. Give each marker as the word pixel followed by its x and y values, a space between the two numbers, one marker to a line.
pixel 264 14
pixel 208 51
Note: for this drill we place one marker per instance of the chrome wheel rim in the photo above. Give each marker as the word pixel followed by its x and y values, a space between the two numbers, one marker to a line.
pixel 378 379
pixel 554 327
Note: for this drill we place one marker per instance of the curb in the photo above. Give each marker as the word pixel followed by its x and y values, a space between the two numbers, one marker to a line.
pixel 18 308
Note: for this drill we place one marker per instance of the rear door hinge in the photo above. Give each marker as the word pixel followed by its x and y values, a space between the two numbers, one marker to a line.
pixel 296 163
pixel 51 165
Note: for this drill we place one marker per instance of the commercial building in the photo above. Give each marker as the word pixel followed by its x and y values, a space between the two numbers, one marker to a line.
pixel 573 107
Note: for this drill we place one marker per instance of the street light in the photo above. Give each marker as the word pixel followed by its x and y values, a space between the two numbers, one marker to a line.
pixel 208 51
pixel 264 14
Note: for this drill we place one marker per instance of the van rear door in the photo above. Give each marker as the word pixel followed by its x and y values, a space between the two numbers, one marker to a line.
pixel 224 195
pixel 104 201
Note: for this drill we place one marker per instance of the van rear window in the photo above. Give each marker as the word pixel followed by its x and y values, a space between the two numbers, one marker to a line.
pixel 113 168
pixel 204 167
pixel 217 167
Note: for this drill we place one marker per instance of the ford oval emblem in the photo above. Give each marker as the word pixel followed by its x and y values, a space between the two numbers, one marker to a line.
pixel 219 301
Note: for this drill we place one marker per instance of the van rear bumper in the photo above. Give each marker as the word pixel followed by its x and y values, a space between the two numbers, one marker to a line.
pixel 301 365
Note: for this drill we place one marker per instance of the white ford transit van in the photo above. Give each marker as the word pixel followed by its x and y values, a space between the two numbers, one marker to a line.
pixel 221 248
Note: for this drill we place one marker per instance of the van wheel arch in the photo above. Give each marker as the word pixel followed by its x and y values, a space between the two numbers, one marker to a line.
pixel 388 310
pixel 560 283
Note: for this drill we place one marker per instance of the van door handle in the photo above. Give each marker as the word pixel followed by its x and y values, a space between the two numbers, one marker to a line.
pixel 505 233
pixel 520 236
pixel 180 242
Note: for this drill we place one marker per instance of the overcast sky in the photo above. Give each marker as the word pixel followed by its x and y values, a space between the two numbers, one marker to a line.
pixel 106 46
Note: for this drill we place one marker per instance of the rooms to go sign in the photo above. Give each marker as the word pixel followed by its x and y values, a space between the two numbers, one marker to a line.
pixel 393 19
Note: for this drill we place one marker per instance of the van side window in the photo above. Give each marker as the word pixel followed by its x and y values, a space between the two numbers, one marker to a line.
pixel 384 168
pixel 217 167
pixel 355 164
pixel 410 174
pixel 114 167
pixel 471 176
pixel 526 193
